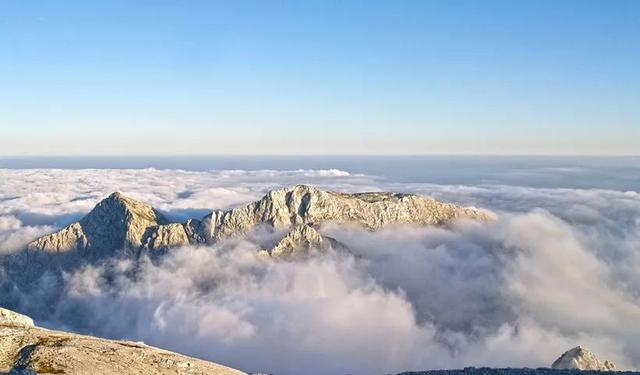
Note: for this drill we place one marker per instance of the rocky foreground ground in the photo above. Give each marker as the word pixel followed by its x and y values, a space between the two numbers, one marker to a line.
pixel 27 349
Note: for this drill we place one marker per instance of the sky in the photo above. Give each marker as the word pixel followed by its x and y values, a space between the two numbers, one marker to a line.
pixel 319 77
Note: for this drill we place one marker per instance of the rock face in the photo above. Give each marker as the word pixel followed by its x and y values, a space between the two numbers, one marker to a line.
pixel 116 223
pixel 581 359
pixel 121 223
pixel 27 349
pixel 302 204
pixel 301 240
pixel 9 317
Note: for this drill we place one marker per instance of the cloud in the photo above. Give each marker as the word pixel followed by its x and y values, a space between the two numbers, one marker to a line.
pixel 44 198
pixel 558 268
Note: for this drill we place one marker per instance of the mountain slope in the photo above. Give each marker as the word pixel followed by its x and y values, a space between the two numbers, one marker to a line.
pixel 119 222
pixel 27 349
pixel 116 223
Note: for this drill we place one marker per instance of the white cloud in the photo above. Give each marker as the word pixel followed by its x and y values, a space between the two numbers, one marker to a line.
pixel 558 268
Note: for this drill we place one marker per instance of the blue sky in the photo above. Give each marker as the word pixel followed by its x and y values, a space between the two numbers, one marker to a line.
pixel 319 77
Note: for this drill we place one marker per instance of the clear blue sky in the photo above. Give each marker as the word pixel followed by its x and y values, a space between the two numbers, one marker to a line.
pixel 319 77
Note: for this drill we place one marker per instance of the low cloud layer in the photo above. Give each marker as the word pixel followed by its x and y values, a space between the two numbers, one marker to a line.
pixel 558 268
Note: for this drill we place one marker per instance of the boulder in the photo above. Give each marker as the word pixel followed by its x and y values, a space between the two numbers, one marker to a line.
pixel 13 318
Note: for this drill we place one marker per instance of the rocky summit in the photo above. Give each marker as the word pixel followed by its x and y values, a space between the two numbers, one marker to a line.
pixel 580 358
pixel 122 224
pixel 27 349
pixel 116 223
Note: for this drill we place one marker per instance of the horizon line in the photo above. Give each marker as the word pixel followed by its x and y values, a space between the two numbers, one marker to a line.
pixel 196 155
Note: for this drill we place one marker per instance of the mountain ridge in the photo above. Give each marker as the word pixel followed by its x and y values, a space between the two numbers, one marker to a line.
pixel 120 223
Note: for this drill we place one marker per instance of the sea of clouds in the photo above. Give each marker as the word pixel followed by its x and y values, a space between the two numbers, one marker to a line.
pixel 558 268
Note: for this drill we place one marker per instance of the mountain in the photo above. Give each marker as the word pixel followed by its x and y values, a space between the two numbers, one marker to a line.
pixel 27 349
pixel 116 223
pixel 581 359
pixel 121 224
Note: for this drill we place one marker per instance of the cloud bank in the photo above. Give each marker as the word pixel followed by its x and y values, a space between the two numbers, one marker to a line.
pixel 558 268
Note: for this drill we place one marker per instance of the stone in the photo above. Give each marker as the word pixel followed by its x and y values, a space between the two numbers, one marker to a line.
pixel 301 241
pixel 116 223
pixel 25 349
pixel 120 224
pixel 580 358
pixel 13 318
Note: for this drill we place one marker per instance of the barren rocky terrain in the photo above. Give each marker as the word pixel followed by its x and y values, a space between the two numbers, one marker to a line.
pixel 28 349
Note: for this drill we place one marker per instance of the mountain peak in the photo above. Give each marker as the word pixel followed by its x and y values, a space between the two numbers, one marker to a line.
pixel 120 200
pixel 579 358
pixel 120 222
pixel 115 223
pixel 118 196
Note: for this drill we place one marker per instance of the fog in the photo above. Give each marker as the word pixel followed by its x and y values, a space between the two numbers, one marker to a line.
pixel 558 268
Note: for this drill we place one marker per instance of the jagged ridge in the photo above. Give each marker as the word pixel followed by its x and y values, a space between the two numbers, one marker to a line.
pixel 119 222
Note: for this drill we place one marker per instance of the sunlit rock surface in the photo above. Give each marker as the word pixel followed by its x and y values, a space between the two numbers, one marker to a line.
pixel 581 359
pixel 25 349
pixel 120 223
pixel 301 240
pixel 13 318
pixel 116 223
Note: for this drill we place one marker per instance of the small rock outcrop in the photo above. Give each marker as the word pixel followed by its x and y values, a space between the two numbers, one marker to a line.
pixel 9 317
pixel 121 223
pixel 300 241
pixel 25 349
pixel 579 358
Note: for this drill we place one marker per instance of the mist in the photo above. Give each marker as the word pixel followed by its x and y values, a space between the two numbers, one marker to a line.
pixel 558 268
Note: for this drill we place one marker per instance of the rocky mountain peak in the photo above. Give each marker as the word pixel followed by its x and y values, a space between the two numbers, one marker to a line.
pixel 118 206
pixel 122 223
pixel 115 223
pixel 580 358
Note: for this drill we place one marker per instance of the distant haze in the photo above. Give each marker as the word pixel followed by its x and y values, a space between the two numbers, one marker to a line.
pixel 616 173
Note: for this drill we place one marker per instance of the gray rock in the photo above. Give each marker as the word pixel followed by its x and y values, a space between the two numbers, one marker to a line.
pixel 13 318
pixel 579 358
pixel 302 241
pixel 116 223
pixel 30 350
pixel 301 204
pixel 121 223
